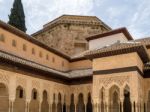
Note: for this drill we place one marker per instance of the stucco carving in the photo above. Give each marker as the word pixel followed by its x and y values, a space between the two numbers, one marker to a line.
pixel 20 81
pixel 71 37
pixel 4 78
pixel 35 84
pixel 120 80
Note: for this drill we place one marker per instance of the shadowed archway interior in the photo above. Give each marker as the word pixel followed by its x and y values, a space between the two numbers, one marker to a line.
pixel 45 105
pixel 80 105
pixel 4 98
pixel 127 103
pixel 72 105
pixel 89 107
pixel 59 105
pixel 19 104
pixel 64 104
pixel 114 99
pixel 34 103
pixel 54 103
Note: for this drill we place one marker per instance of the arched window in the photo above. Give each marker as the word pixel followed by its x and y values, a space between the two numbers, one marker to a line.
pixel 127 102
pixel 45 105
pixel 72 105
pixel 114 98
pixel 89 107
pixel 54 104
pixel 19 104
pixel 19 92
pixel 64 105
pixel 80 105
pixel 34 103
pixel 59 105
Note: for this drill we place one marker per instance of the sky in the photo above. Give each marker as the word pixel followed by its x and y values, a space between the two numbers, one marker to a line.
pixel 132 14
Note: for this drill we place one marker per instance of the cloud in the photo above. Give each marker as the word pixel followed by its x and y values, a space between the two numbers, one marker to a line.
pixel 116 13
pixel 40 13
pixel 139 25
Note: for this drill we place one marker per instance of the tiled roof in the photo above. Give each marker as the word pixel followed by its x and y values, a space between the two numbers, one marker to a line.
pixel 120 48
pixel 145 41
pixel 71 74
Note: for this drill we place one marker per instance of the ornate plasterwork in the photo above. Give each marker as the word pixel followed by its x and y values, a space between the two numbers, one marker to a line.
pixel 35 84
pixel 20 81
pixel 46 86
pixel 4 78
pixel 120 80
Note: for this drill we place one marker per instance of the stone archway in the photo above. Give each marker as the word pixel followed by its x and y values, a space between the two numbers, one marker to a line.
pixel 127 103
pixel 44 104
pixel 148 102
pixel 72 105
pixel 19 104
pixel 59 105
pixel 89 107
pixel 4 98
pixel 80 105
pixel 34 103
pixel 114 99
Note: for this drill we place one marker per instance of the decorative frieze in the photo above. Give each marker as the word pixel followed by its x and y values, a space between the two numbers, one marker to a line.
pixel 4 78
pixel 20 81
pixel 120 80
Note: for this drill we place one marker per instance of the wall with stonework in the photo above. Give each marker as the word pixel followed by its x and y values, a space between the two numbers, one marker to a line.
pixel 82 64
pixel 71 38
pixel 54 61
pixel 117 61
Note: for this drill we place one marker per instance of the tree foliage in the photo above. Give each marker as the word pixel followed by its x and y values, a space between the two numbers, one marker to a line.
pixel 17 16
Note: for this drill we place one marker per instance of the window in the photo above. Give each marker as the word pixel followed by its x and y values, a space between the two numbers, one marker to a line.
pixel 24 47
pixel 40 54
pixel 2 38
pixel 33 51
pixel 53 60
pixel 21 93
pixel 47 57
pixel 34 95
pixel 14 44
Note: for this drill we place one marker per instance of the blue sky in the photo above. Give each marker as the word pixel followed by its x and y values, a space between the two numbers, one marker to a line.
pixel 133 14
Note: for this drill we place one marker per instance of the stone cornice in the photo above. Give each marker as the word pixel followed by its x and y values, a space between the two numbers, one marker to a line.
pixel 74 20
pixel 118 70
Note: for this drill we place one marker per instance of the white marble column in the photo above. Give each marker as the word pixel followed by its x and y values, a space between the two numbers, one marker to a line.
pixel 11 105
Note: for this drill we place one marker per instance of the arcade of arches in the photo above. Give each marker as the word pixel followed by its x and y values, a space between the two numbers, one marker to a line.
pixel 111 98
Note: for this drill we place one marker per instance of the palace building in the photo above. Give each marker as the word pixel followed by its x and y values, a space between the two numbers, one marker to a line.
pixel 74 64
